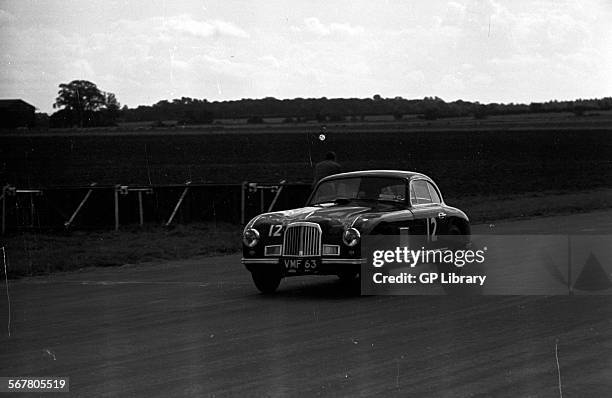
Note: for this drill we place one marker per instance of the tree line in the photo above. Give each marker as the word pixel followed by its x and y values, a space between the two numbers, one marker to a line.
pixel 82 104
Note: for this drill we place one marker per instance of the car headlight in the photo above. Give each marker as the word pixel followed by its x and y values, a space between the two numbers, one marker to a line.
pixel 351 237
pixel 250 237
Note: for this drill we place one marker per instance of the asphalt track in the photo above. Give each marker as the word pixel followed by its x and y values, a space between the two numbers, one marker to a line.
pixel 199 328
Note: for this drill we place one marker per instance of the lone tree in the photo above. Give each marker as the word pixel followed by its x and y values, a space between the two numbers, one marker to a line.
pixel 113 106
pixel 84 104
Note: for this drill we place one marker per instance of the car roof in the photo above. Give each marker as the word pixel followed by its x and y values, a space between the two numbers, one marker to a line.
pixel 378 173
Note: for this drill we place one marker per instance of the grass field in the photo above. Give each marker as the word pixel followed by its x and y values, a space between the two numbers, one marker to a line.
pixel 465 156
pixel 43 253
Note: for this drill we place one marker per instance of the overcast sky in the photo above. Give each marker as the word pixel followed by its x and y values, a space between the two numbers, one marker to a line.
pixel 146 51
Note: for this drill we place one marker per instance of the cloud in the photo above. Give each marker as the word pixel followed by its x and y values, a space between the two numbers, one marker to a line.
pixel 205 29
pixel 345 28
pixel 270 60
pixel 80 69
pixel 6 17
pixel 179 64
pixel 313 25
pixel 472 49
pixel 223 65
pixel 449 84
pixel 488 50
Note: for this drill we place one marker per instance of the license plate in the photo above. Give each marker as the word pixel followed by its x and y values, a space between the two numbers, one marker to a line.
pixel 301 265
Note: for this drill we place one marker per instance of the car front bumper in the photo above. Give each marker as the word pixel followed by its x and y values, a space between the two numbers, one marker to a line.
pixel 277 260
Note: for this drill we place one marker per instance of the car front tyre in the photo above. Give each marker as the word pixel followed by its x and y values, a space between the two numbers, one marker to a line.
pixel 456 241
pixel 348 276
pixel 266 281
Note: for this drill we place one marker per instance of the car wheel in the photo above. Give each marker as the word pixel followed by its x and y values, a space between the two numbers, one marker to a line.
pixel 266 281
pixel 348 276
pixel 456 241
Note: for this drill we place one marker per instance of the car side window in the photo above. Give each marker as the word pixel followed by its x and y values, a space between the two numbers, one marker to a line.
pixel 395 193
pixel 435 197
pixel 421 193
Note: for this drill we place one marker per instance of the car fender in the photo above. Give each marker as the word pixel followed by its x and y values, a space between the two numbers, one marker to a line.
pixel 366 224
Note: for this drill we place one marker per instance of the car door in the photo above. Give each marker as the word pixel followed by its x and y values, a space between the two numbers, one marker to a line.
pixel 441 215
pixel 429 217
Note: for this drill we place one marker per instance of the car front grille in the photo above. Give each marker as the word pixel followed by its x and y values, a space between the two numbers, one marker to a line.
pixel 302 239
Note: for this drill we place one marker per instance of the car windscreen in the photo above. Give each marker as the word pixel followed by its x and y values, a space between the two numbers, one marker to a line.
pixel 387 189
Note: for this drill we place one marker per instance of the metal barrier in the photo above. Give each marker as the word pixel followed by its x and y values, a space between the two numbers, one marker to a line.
pixel 253 187
pixel 97 206
pixel 8 191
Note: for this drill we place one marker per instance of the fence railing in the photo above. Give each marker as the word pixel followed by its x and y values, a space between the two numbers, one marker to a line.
pixel 111 206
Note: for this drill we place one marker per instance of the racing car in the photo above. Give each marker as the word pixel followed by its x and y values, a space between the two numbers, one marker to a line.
pixel 325 236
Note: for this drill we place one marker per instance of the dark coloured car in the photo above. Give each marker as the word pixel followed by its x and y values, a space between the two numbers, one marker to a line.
pixel 324 237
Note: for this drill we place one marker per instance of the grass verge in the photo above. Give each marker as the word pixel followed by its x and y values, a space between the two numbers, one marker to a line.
pixel 483 209
pixel 41 253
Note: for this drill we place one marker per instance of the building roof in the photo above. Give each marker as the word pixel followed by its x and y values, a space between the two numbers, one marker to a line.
pixel 7 103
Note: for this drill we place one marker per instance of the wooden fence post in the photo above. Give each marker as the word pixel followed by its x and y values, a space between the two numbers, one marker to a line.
pixel 87 195
pixel 117 187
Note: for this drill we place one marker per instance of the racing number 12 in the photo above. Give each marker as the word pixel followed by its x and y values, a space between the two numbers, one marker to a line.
pixel 432 225
pixel 275 230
